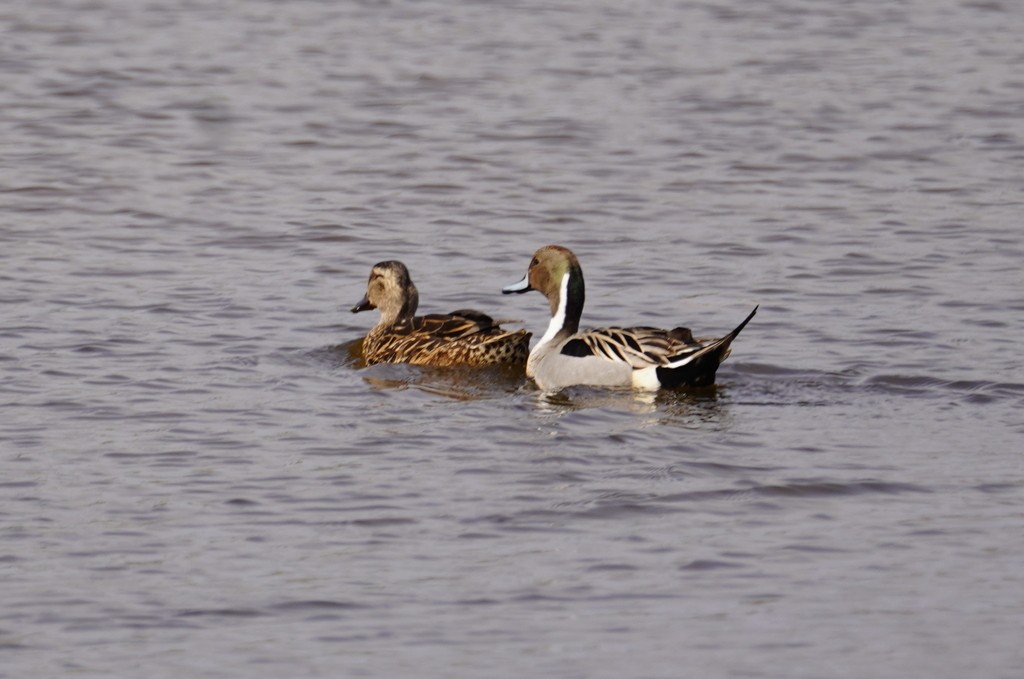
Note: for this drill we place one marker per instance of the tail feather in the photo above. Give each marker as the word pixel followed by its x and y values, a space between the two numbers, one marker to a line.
pixel 732 335
pixel 698 369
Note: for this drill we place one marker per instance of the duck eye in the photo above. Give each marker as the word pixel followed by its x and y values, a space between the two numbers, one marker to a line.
pixel 534 262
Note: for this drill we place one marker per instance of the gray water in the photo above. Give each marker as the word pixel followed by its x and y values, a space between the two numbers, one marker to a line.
pixel 199 478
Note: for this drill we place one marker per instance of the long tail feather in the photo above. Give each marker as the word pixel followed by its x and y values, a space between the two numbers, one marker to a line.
pixel 699 368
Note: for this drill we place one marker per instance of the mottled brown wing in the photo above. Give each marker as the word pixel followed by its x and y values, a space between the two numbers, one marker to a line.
pixel 458 324
pixel 465 337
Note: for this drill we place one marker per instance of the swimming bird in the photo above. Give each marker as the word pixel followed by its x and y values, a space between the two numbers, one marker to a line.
pixel 640 357
pixel 463 337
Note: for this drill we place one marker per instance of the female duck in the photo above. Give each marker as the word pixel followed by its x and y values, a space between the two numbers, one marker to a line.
pixel 464 337
pixel 641 357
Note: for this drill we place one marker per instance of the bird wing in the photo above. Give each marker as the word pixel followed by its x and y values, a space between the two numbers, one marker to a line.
pixel 640 347
pixel 458 324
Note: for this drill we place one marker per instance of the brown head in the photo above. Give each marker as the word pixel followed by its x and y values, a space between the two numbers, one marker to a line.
pixel 391 290
pixel 555 273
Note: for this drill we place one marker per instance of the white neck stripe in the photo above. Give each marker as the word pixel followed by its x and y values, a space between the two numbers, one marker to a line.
pixel 558 320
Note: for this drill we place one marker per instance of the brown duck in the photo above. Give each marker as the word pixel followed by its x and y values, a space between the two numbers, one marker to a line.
pixel 463 337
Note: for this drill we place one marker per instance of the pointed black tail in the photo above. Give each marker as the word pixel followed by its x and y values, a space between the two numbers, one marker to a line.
pixel 699 370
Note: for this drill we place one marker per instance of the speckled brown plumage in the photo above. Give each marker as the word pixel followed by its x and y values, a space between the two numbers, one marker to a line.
pixel 463 337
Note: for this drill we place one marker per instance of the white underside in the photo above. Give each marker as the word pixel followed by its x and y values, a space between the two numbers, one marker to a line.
pixel 646 379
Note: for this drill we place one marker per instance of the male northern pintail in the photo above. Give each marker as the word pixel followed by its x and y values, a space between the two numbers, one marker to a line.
pixel 641 357
pixel 464 337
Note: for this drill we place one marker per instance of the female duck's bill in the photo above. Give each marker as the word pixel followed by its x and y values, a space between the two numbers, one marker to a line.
pixel 638 357
pixel 463 337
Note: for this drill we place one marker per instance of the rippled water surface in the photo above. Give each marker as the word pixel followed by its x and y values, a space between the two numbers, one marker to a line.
pixel 199 478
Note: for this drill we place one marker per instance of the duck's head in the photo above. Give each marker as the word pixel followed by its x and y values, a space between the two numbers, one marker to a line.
pixel 391 290
pixel 554 272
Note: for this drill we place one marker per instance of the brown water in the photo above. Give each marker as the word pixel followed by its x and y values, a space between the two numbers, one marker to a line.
pixel 197 479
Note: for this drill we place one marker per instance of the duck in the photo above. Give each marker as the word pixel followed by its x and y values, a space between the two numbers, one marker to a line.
pixel 464 337
pixel 643 358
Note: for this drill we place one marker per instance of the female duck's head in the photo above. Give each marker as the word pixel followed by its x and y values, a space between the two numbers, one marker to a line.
pixel 390 289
